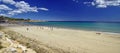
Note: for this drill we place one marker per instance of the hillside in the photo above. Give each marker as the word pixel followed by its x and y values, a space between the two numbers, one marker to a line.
pixel 9 19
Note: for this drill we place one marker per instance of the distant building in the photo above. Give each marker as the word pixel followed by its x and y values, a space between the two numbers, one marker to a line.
pixel 3 20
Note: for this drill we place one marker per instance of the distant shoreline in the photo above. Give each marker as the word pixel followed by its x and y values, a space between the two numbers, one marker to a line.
pixel 61 25
pixel 23 24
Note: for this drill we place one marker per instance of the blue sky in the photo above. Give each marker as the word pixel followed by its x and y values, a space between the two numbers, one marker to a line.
pixel 62 10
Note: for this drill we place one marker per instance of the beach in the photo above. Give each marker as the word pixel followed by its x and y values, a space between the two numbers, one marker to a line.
pixel 74 41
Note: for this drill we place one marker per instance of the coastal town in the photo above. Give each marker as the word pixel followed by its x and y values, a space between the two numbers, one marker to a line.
pixel 4 19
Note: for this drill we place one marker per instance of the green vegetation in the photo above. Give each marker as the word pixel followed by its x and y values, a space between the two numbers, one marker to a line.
pixel 1 27
pixel 39 47
pixel 13 19
pixel 1 45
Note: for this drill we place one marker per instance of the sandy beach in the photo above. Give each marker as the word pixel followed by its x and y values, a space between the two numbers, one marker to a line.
pixel 74 41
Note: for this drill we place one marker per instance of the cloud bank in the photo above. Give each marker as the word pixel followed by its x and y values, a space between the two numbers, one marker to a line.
pixel 4 7
pixel 20 7
pixel 104 3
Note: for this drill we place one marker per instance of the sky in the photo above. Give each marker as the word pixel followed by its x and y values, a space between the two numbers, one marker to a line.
pixel 62 10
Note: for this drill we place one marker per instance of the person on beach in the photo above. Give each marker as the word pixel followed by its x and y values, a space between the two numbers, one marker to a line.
pixel 42 28
pixel 98 33
pixel 27 29
pixel 51 28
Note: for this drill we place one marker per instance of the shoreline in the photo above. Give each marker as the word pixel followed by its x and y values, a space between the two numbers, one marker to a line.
pixel 112 34
pixel 75 29
pixel 74 41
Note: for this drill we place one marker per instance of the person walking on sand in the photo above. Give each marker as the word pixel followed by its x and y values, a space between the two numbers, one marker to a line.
pixel 27 29
pixel 98 33
pixel 51 28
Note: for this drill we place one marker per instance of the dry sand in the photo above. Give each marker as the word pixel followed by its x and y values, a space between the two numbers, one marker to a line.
pixel 75 41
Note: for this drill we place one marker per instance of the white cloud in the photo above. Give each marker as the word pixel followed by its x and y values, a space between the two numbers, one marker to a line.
pixel 8 1
pixel 21 7
pixel 45 9
pixel 105 3
pixel 4 7
pixel 26 7
pixel 14 12
pixel 2 14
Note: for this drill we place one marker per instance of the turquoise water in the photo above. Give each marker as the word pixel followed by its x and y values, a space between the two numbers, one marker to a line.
pixel 82 25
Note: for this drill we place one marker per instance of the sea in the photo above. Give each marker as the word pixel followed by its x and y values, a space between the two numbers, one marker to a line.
pixel 113 27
